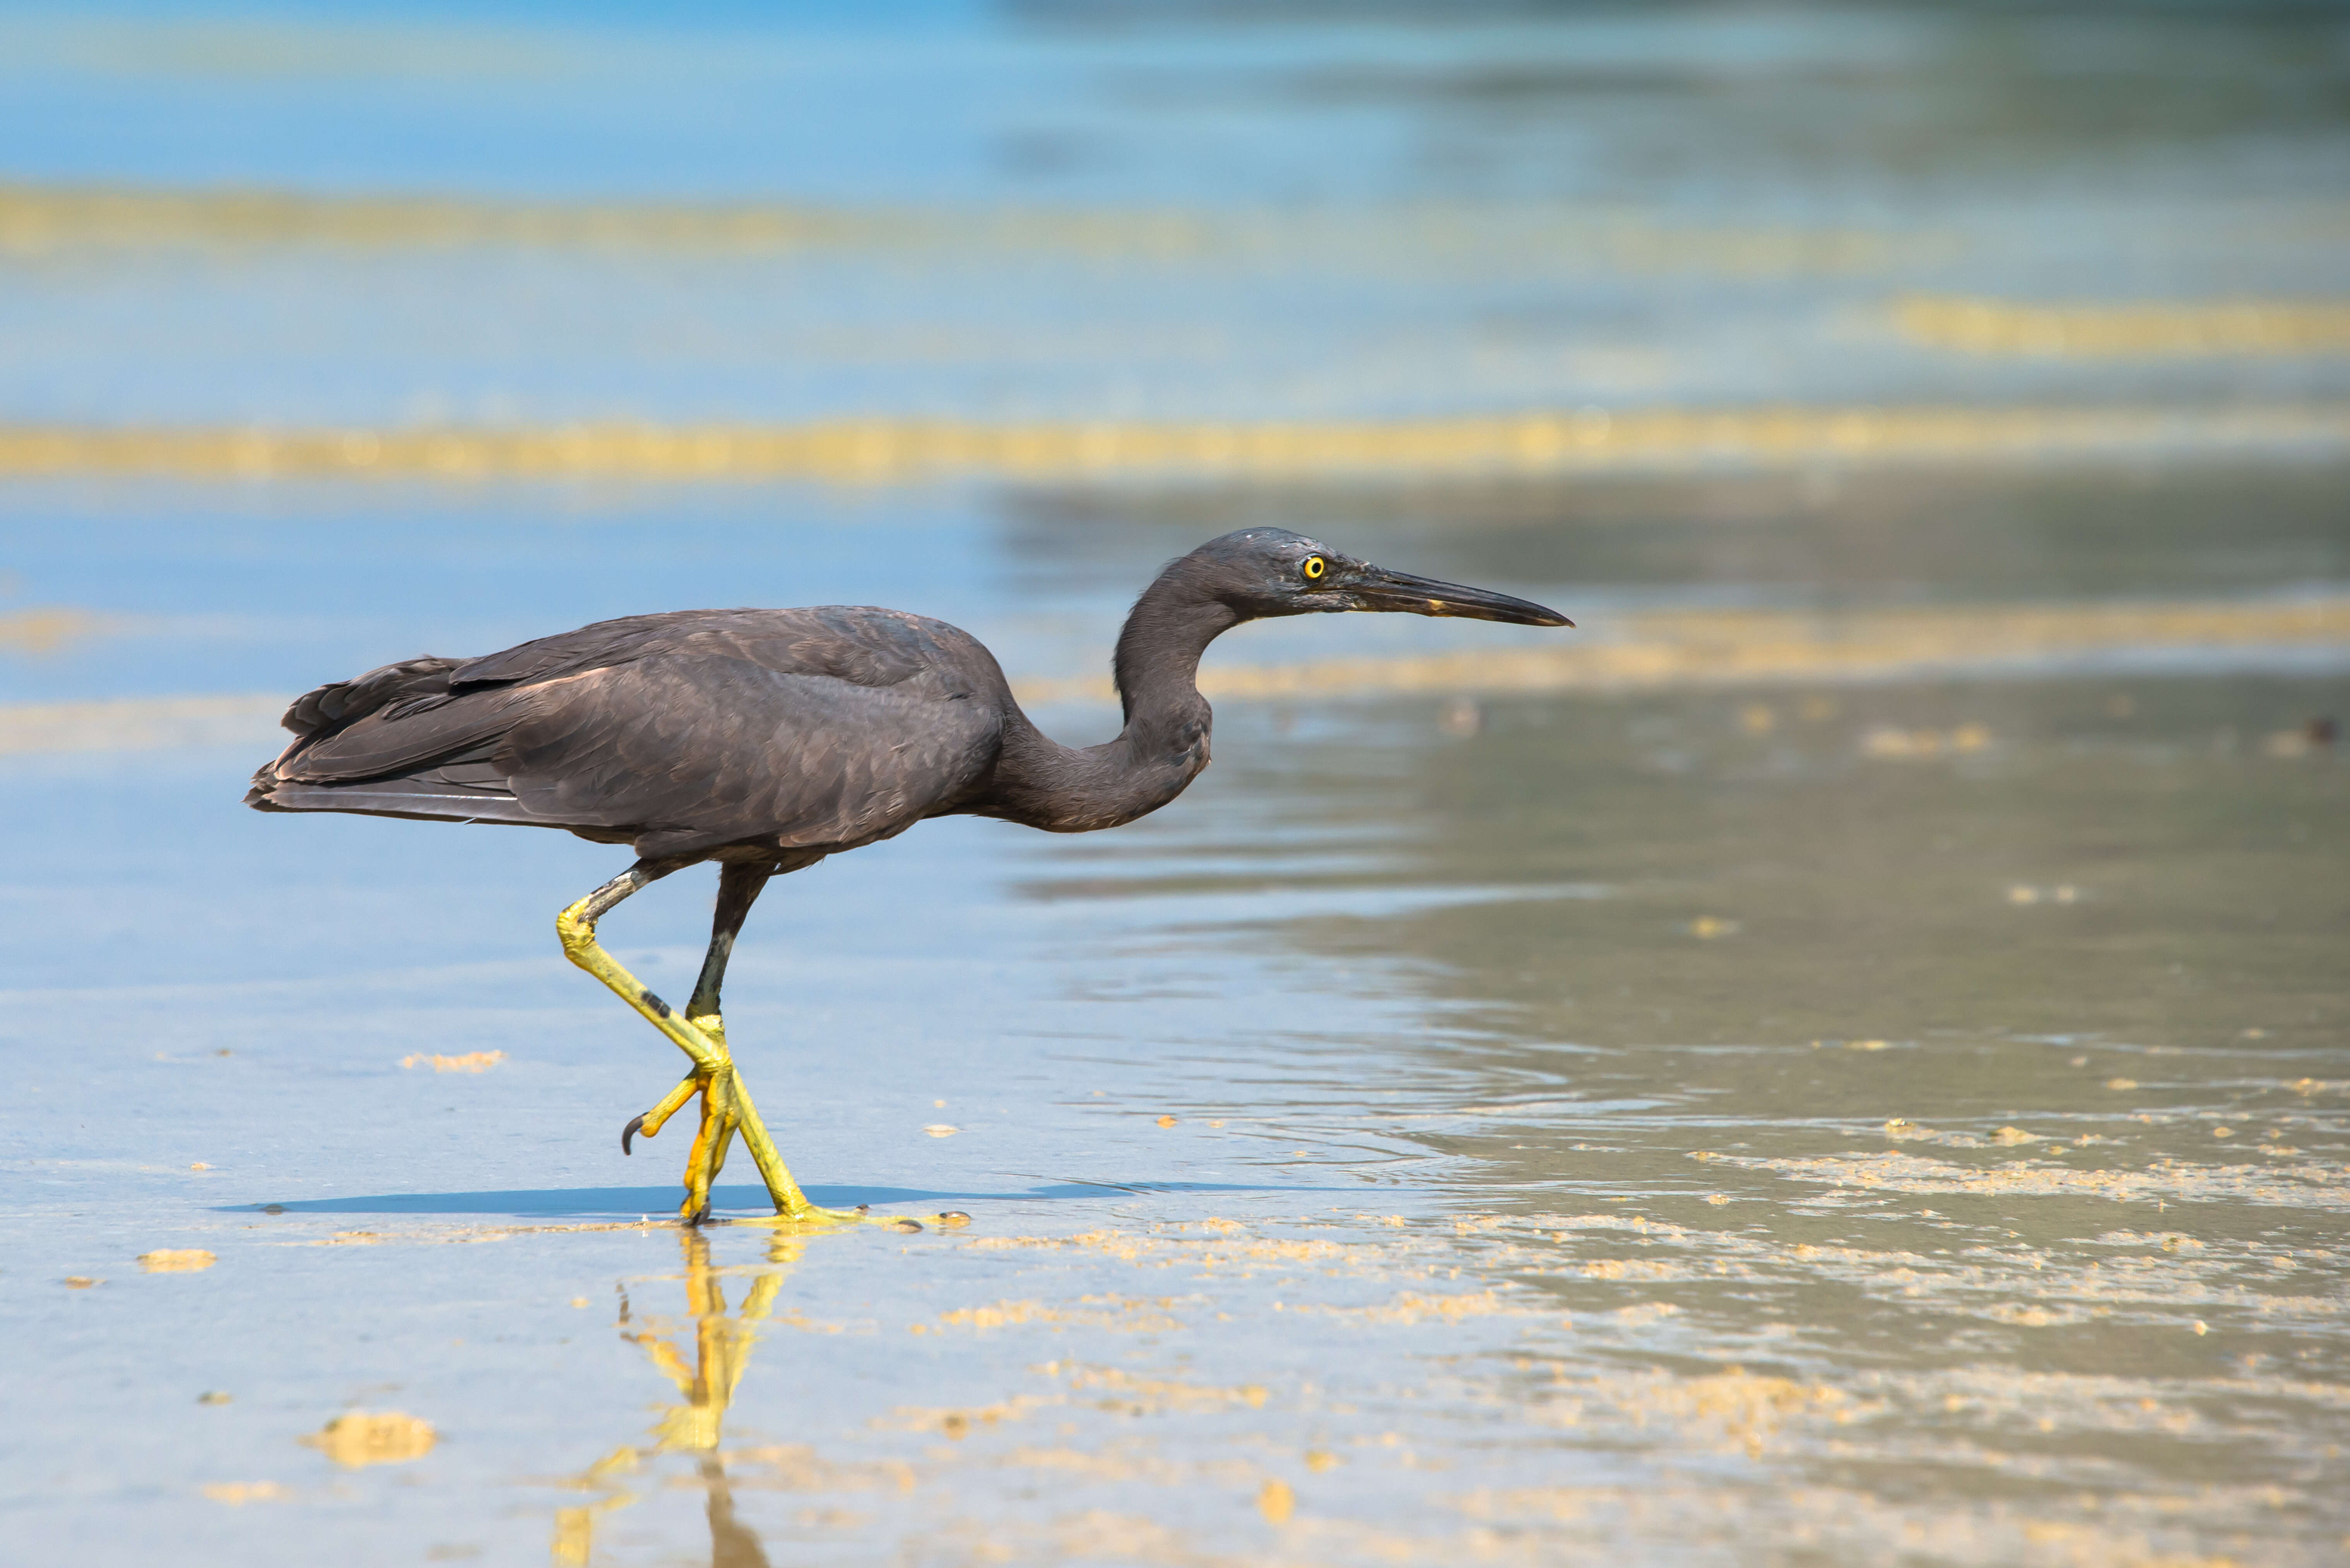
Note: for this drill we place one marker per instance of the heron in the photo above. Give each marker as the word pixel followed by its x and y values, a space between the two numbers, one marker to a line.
pixel 765 740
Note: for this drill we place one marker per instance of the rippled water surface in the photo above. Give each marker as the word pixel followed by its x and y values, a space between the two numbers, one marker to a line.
pixel 1856 1069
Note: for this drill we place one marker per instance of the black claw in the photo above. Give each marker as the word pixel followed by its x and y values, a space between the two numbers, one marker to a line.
pixel 631 1131
pixel 865 1209
pixel 699 1218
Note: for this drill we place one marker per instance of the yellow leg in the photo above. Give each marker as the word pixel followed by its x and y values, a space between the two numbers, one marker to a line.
pixel 700 1033
pixel 726 1109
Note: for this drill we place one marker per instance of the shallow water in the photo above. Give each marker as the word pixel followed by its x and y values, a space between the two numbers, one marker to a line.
pixel 1614 1130
pixel 1896 1113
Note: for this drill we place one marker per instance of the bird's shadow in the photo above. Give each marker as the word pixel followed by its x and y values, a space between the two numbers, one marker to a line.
pixel 636 1202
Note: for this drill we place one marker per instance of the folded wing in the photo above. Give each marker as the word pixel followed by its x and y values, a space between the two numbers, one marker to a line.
pixel 802 729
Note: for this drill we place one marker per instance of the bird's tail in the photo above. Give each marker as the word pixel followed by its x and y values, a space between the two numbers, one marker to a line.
pixel 394 741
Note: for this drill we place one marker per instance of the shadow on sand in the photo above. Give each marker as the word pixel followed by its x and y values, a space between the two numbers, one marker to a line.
pixel 634 1203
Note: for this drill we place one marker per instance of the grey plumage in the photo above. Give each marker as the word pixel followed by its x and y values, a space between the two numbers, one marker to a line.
pixel 783 736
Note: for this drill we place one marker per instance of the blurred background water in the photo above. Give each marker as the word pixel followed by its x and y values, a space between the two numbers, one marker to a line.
pixel 1840 1059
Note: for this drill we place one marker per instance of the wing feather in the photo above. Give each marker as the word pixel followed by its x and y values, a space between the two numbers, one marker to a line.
pixel 803 729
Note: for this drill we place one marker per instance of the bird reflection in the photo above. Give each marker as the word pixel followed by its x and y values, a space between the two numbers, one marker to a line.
pixel 722 1350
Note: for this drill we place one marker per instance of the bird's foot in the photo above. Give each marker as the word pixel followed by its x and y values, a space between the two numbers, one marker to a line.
pixel 726 1110
pixel 720 1090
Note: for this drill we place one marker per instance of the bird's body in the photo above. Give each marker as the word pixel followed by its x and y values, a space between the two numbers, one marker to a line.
pixel 711 734
pixel 768 739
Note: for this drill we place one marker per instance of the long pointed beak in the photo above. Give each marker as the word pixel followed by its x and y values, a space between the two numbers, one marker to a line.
pixel 1402 593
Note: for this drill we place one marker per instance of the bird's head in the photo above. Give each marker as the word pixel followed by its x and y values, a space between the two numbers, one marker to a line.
pixel 1260 572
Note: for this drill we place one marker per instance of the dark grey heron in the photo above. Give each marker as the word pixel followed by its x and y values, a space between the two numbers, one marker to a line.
pixel 766 740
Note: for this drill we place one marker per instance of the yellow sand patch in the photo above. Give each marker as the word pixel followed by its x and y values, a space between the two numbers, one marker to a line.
pixel 42 220
pixel 1117 1243
pixel 36 220
pixel 1412 1308
pixel 1631 1269
pixel 176 1259
pixel 2132 331
pixel 385 1438
pixel 1732 1409
pixel 1000 1314
pixel 236 1494
pixel 901 451
pixel 1120 1389
pixel 471 1062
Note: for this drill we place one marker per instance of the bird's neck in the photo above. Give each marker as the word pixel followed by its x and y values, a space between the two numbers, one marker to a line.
pixel 1164 744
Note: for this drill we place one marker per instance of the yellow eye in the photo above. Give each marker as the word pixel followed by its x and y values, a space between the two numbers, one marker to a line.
pixel 1314 568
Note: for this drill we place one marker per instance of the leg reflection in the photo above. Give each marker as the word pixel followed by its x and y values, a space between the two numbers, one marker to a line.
pixel 731 1544
pixel 722 1350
